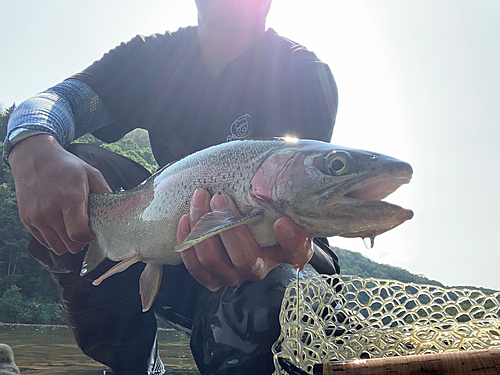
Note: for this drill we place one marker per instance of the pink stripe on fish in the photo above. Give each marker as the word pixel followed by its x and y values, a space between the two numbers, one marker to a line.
pixel 134 201
pixel 264 181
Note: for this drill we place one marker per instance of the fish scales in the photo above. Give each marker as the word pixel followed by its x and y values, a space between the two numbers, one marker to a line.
pixel 165 197
pixel 328 190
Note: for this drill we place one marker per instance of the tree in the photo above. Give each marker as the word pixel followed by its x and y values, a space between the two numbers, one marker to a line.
pixel 4 118
pixel 128 146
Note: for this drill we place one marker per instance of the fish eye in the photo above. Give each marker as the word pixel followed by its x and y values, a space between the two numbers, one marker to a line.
pixel 337 163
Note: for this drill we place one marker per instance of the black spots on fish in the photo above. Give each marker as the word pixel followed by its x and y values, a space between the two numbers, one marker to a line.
pixel 373 168
pixel 282 204
pixel 223 176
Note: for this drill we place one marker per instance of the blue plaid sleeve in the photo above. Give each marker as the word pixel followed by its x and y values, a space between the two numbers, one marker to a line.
pixel 65 111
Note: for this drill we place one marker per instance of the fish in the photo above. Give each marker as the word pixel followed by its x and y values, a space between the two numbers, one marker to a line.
pixel 328 190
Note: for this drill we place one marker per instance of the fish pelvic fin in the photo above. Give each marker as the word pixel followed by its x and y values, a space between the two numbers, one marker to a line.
pixel 216 222
pixel 93 257
pixel 117 268
pixel 149 283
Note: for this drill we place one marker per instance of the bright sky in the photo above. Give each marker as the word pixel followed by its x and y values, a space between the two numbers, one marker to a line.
pixel 418 80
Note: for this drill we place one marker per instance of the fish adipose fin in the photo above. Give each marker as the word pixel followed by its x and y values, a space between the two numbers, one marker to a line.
pixel 93 257
pixel 150 282
pixel 216 222
pixel 117 268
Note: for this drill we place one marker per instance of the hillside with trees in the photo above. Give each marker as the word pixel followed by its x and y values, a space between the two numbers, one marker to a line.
pixel 28 295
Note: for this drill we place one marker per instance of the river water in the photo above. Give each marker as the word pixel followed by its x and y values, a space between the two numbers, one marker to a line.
pixel 44 350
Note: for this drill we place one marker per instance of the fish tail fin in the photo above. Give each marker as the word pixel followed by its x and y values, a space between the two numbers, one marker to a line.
pixel 93 257
pixel 122 266
pixel 150 282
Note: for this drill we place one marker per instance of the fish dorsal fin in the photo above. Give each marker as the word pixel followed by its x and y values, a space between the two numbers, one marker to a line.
pixel 117 268
pixel 149 283
pixel 93 257
pixel 216 222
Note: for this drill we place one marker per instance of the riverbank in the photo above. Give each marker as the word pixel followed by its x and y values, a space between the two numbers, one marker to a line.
pixel 50 349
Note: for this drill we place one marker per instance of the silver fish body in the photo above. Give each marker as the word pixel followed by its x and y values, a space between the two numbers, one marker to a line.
pixel 327 189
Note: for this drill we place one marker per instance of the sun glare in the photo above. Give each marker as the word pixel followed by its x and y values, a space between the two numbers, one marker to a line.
pixel 291 139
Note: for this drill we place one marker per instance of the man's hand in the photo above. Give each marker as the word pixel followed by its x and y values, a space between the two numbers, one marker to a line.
pixel 52 188
pixel 236 257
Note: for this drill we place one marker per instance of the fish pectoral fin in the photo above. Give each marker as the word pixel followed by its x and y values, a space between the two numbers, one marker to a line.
pixel 93 257
pixel 149 283
pixel 117 268
pixel 216 222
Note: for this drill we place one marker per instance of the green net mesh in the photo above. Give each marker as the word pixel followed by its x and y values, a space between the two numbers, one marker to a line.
pixel 347 318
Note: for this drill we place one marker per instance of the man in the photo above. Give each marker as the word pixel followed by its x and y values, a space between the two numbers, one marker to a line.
pixel 228 78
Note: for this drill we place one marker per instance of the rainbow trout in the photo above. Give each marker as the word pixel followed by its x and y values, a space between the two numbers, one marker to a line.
pixel 326 189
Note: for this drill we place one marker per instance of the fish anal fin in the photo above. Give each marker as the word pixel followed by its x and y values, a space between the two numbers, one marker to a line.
pixel 93 257
pixel 216 222
pixel 117 268
pixel 149 283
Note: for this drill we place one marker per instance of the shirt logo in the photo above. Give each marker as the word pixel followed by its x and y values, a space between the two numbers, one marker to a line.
pixel 239 128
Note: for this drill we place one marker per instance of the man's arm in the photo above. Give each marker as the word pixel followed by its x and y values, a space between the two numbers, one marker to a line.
pixel 52 188
pixel 307 99
pixel 65 111
pixel 52 185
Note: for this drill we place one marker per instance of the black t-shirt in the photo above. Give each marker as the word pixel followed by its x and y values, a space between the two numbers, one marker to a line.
pixel 159 83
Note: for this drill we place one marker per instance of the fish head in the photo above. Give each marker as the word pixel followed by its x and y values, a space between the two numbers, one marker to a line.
pixel 334 191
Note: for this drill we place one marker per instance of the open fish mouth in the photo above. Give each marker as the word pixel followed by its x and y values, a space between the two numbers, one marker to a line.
pixel 378 189
pixel 370 188
pixel 368 215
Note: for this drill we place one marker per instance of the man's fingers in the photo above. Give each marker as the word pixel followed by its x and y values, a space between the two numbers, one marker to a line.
pixel 190 258
pixel 294 240
pixel 76 222
pixel 53 241
pixel 38 236
pixel 97 183
pixel 236 257
pixel 211 255
pixel 251 262
pixel 200 205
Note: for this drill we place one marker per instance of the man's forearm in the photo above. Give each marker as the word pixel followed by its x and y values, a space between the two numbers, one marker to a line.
pixel 65 111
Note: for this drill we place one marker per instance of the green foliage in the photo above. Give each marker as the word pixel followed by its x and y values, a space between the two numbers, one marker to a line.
pixel 29 295
pixel 353 263
pixel 15 308
pixel 128 146
pixel 4 118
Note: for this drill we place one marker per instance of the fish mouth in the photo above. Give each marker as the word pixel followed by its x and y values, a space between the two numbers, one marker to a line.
pixel 361 203
pixel 378 189
pixel 370 188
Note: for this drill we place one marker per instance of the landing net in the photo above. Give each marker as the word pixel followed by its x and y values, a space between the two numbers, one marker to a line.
pixel 348 318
